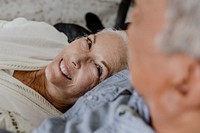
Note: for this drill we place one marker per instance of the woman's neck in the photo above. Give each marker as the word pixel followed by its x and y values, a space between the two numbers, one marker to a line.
pixel 33 79
pixel 37 81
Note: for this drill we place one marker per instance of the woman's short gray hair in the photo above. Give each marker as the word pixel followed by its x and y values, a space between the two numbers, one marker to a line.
pixel 120 33
pixel 182 31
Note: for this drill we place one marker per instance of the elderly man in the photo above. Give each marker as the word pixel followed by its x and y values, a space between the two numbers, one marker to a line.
pixel 164 57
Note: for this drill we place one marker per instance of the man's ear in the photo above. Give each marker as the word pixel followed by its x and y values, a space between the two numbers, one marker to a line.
pixel 189 87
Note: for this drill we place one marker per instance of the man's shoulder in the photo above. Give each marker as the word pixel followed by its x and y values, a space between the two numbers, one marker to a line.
pixel 116 89
pixel 104 109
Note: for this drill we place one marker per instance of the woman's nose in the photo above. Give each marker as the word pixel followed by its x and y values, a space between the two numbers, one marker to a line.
pixel 76 64
pixel 79 60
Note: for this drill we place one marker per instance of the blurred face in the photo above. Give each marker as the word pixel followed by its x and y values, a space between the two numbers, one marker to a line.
pixel 168 82
pixel 86 62
pixel 154 74
pixel 146 62
pixel 151 71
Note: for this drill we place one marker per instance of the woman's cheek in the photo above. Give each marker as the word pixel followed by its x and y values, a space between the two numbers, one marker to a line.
pixel 86 80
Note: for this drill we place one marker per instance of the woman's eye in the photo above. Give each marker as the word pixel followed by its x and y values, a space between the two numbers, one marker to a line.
pixel 99 70
pixel 89 42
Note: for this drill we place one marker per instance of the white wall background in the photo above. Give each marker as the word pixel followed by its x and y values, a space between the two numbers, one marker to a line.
pixel 54 11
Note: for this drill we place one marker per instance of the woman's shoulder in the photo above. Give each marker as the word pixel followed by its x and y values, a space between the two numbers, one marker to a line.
pixel 19 98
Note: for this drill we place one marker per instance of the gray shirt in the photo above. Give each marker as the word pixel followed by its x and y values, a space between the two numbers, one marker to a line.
pixel 111 107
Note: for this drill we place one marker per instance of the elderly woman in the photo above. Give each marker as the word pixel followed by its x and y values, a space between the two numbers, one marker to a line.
pixel 41 75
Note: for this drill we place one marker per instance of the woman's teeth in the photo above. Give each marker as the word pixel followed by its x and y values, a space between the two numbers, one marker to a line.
pixel 63 70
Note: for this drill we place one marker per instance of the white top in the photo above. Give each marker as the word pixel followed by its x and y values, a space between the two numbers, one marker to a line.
pixel 25 45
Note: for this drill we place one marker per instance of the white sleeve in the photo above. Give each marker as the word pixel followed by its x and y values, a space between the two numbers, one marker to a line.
pixel 25 28
pixel 23 41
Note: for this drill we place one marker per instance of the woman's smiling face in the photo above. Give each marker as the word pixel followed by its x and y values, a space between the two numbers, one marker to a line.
pixel 86 62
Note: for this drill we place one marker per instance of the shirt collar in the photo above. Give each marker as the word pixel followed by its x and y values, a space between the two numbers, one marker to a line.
pixel 137 103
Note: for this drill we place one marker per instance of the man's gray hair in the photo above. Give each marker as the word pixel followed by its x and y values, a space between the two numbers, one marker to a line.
pixel 182 31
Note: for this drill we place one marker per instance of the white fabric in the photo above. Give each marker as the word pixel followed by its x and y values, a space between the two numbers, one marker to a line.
pixel 14 122
pixel 26 45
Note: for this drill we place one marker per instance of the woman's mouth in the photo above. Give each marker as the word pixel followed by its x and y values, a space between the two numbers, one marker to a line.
pixel 64 70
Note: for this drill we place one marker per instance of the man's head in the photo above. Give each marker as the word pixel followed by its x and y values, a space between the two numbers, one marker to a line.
pixel 164 61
